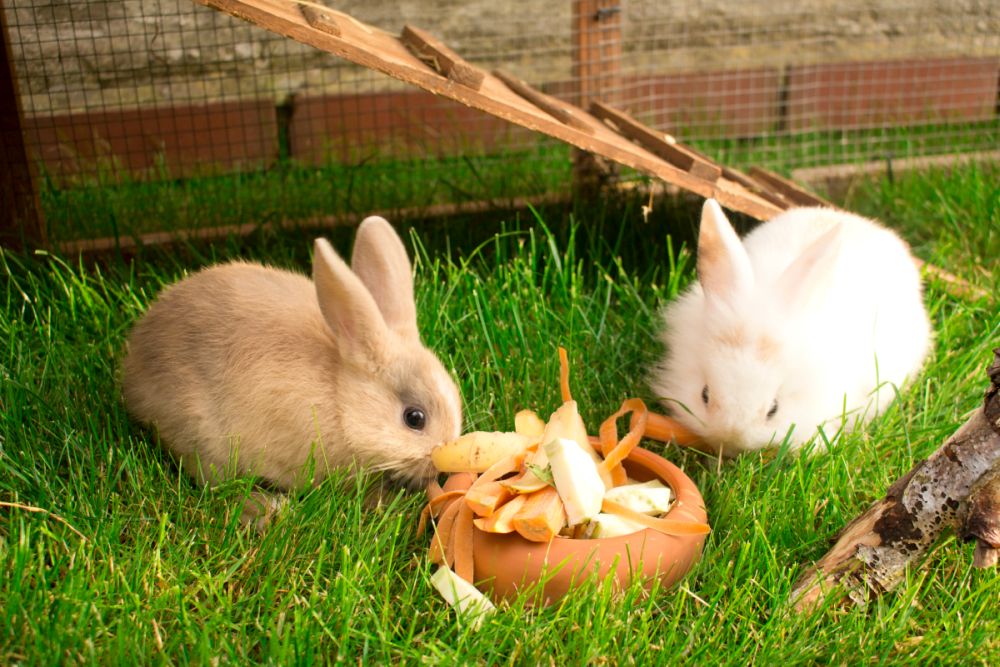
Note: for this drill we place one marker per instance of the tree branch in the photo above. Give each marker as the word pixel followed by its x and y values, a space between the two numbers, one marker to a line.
pixel 957 487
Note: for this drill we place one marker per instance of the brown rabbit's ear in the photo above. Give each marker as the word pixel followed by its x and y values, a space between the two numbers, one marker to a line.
pixel 380 261
pixel 724 269
pixel 345 302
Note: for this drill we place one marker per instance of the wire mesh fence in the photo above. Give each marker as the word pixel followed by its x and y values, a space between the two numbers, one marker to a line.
pixel 157 114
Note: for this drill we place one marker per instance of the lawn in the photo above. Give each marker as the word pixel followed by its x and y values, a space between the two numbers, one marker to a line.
pixel 128 561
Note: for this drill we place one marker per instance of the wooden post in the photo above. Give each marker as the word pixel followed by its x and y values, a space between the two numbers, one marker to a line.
pixel 20 209
pixel 597 52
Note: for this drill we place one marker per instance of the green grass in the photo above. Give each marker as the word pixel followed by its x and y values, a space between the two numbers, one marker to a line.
pixel 113 202
pixel 161 570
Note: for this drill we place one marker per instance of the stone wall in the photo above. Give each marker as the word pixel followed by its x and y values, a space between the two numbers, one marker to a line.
pixel 76 56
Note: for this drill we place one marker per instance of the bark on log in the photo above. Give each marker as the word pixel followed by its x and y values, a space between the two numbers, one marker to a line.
pixel 957 487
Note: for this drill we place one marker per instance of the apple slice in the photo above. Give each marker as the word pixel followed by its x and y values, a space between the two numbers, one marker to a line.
pixel 576 478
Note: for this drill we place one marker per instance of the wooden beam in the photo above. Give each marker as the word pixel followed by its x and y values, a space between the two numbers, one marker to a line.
pixel 380 51
pixel 548 104
pixel 658 143
pixel 788 189
pixel 445 61
pixel 20 208
pixel 321 19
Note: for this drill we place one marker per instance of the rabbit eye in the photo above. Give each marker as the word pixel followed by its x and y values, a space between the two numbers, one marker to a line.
pixel 774 409
pixel 704 394
pixel 415 418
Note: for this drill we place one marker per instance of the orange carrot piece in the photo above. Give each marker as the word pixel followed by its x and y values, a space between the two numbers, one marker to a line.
pixel 486 494
pixel 609 433
pixel 434 504
pixel 502 521
pixel 461 544
pixel 618 476
pixel 542 516
pixel 442 534
pixel 665 429
pixel 484 499
pixel 665 526
pixel 564 375
pixel 459 481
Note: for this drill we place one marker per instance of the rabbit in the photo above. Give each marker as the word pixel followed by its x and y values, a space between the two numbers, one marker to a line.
pixel 812 322
pixel 246 369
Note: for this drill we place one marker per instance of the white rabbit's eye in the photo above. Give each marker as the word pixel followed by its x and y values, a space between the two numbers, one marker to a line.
pixel 774 409
pixel 704 394
pixel 414 418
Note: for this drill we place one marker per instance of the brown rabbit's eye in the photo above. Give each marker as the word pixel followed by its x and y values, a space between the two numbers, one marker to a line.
pixel 774 409
pixel 414 418
pixel 704 394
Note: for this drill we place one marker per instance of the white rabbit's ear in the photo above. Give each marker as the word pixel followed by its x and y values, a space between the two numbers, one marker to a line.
pixel 810 274
pixel 346 304
pixel 380 261
pixel 723 265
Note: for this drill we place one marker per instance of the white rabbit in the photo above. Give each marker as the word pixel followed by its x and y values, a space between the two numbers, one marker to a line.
pixel 243 368
pixel 813 321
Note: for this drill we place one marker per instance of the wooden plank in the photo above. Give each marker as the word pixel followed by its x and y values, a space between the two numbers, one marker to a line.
pixel 321 19
pixel 597 50
pixel 549 105
pixel 20 217
pixel 658 143
pixel 129 243
pixel 380 51
pixel 755 187
pixel 596 57
pixel 445 61
pixel 788 189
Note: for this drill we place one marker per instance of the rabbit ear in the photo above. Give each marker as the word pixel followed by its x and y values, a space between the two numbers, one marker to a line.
pixel 346 304
pixel 723 265
pixel 379 260
pixel 811 272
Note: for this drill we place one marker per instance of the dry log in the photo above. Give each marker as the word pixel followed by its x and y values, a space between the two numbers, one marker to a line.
pixel 956 488
pixel 982 523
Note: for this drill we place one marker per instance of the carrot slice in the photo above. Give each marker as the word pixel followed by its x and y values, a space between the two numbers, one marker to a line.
pixel 442 534
pixel 609 433
pixel 432 505
pixel 484 499
pixel 461 543
pixel 665 526
pixel 502 520
pixel 665 429
pixel 542 516
pixel 564 375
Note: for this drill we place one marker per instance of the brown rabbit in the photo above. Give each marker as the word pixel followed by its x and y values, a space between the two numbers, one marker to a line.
pixel 243 368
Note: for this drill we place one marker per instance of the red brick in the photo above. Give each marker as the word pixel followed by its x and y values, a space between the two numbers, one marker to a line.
pixel 395 124
pixel 189 140
pixel 868 94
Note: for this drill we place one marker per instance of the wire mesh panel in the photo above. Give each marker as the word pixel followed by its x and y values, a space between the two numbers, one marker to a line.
pixel 791 83
pixel 143 115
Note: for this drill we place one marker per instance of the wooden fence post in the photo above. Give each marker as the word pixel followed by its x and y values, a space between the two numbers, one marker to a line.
pixel 20 209
pixel 597 51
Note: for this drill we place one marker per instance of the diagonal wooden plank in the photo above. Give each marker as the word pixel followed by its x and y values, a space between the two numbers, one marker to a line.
pixel 378 50
pixel 788 189
pixel 563 113
pixel 657 142
pixel 441 58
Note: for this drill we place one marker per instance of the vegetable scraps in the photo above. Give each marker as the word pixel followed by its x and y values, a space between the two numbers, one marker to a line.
pixel 543 480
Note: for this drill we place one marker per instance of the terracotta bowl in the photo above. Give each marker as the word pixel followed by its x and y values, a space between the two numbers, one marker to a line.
pixel 506 563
